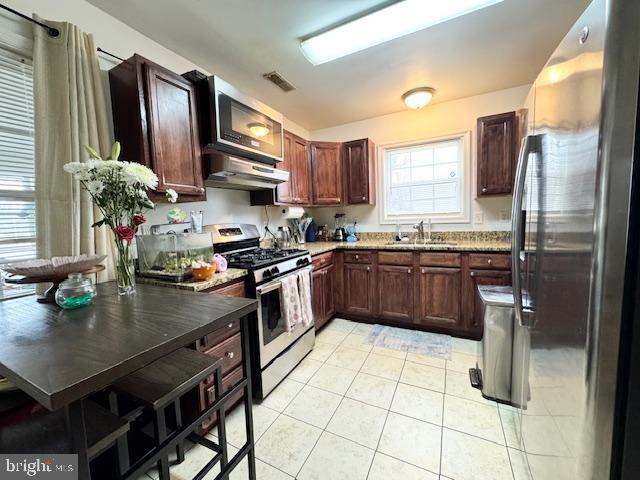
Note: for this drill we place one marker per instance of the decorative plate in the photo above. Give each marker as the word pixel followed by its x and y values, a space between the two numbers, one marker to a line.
pixel 55 266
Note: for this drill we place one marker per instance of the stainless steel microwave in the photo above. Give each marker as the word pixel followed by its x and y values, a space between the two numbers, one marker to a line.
pixel 237 123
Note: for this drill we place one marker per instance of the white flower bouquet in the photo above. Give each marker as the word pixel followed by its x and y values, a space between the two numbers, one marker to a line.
pixel 119 190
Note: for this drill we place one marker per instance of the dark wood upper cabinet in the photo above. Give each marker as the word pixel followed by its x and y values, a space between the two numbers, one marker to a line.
pixel 156 120
pixel 395 292
pixel 300 153
pixel 286 192
pixel 358 157
pixel 297 190
pixel 326 172
pixel 439 298
pixel 497 150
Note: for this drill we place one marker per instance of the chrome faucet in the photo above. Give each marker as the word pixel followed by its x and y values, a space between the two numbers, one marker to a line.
pixel 420 228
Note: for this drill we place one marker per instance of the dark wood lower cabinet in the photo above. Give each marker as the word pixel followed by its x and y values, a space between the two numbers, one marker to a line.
pixel 323 295
pixel 472 303
pixel 359 289
pixel 434 291
pixel 439 298
pixel 329 291
pixel 395 292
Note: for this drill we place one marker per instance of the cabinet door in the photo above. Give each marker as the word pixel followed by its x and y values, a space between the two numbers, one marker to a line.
pixel 317 297
pixel 439 291
pixel 301 171
pixel 359 289
pixel 473 305
pixel 395 292
pixel 329 292
pixel 175 144
pixel 496 153
pixel 285 192
pixel 358 157
pixel 326 172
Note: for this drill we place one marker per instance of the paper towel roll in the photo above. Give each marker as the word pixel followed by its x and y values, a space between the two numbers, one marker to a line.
pixel 292 212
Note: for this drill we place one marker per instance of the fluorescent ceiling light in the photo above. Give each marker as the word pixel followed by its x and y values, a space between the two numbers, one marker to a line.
pixel 397 20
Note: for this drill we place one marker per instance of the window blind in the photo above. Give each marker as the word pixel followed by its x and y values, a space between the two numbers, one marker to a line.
pixel 17 175
pixel 424 179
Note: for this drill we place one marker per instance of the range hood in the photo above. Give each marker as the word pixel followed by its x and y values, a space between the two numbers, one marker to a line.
pixel 235 173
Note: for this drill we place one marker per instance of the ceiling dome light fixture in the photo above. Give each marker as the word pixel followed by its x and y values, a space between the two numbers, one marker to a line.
pixel 258 129
pixel 417 98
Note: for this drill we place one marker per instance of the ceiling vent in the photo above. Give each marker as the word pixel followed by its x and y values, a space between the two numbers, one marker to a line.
pixel 279 80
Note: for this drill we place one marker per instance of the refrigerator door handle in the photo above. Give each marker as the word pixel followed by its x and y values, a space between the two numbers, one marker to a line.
pixel 524 316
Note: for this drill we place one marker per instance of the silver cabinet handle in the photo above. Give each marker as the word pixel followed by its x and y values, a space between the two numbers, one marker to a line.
pixel 484 190
pixel 408 270
pixel 530 144
pixel 230 325
pixel 364 197
pixel 489 261
pixel 472 274
pixel 422 271
pixel 230 354
pixel 368 269
pixel 357 257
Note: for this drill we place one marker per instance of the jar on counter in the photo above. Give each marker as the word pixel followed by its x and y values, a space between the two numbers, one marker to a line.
pixel 75 292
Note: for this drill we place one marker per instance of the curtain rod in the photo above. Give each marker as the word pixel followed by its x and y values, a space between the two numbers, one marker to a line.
pixel 54 32
pixel 110 54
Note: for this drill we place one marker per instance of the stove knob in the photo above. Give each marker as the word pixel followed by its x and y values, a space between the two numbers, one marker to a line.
pixel 275 270
pixel 267 273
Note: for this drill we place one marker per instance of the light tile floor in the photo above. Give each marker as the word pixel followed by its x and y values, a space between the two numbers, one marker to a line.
pixel 351 411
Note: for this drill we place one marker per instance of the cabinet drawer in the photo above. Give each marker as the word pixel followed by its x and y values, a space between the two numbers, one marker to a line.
pixel 217 336
pixel 395 258
pixel 322 260
pixel 230 351
pixel 438 259
pixel 488 260
pixel 208 395
pixel 358 257
pixel 232 290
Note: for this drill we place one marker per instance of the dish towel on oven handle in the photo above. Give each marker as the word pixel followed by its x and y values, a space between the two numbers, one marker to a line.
pixel 291 308
pixel 306 308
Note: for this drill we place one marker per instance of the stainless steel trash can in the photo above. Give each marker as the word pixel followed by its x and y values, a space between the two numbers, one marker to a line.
pixel 493 372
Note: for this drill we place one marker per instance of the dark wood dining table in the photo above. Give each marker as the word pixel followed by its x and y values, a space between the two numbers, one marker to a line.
pixel 59 357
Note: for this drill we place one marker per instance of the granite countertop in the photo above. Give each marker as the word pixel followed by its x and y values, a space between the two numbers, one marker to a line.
pixel 316 248
pixel 219 278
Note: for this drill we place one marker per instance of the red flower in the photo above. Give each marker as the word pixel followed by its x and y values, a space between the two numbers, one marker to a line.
pixel 138 219
pixel 124 233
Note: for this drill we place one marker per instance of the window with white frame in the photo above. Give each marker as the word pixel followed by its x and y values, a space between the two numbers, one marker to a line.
pixel 17 171
pixel 425 179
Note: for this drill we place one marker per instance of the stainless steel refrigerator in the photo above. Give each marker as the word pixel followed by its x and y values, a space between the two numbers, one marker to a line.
pixel 573 246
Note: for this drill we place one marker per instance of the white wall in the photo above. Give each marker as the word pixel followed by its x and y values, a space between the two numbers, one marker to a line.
pixel 432 121
pixel 114 36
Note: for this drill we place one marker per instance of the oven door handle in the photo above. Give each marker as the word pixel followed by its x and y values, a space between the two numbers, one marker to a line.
pixel 270 287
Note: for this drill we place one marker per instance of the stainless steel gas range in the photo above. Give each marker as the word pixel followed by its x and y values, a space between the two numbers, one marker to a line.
pixel 275 352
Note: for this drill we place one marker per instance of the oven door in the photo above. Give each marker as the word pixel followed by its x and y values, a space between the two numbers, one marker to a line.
pixel 273 335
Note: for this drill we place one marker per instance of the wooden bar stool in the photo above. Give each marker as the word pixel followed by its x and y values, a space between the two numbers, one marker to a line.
pixel 162 384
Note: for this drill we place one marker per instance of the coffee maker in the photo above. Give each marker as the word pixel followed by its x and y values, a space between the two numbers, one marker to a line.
pixel 340 233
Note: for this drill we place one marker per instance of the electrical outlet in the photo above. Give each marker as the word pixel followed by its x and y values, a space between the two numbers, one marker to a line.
pixel 504 215
pixel 478 217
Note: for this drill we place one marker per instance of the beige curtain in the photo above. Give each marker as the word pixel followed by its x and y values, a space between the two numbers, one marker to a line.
pixel 70 112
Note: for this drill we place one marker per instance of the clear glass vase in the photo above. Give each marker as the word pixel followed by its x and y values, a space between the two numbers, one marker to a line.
pixel 125 269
